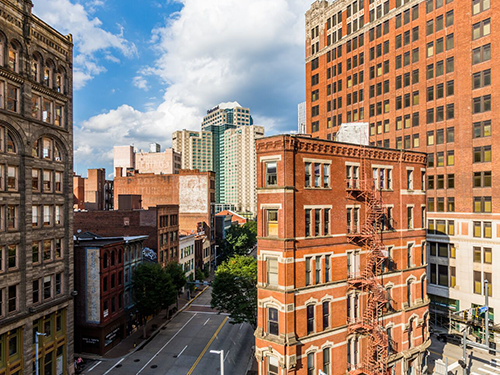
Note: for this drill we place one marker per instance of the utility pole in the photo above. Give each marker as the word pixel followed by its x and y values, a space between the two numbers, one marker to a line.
pixel 37 334
pixel 464 351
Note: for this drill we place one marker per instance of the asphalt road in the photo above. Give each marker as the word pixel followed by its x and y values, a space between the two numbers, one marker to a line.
pixel 183 347
pixel 479 362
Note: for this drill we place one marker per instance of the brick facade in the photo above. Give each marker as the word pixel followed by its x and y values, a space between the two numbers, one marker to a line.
pixel 306 263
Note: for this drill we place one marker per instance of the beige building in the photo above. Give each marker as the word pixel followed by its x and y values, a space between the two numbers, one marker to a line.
pixel 227 113
pixel 154 161
pixel 36 190
pixel 195 148
pixel 241 167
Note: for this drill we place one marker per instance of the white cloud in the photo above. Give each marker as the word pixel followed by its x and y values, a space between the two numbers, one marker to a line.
pixel 210 52
pixel 88 35
pixel 141 83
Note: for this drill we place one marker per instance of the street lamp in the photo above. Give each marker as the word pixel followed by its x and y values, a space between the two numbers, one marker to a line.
pixel 36 349
pixel 215 260
pixel 221 353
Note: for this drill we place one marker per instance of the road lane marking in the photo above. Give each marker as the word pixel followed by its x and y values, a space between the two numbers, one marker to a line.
pixel 206 312
pixel 492 368
pixel 121 360
pixel 93 367
pixel 207 346
pixel 206 321
pixel 241 325
pixel 182 351
pixel 441 355
pixel 486 371
pixel 226 355
pixel 164 346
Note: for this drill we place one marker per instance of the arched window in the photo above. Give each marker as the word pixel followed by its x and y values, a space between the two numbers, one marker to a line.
pixel 422 288
pixel 47 148
pixel 35 152
pixel 36 66
pixel 61 81
pixel 13 62
pixel 3 44
pixel 11 145
pixel 105 261
pixel 120 256
pixel 409 295
pixel 410 334
pixel 57 153
pixel 272 321
pixel 48 71
pixel 113 258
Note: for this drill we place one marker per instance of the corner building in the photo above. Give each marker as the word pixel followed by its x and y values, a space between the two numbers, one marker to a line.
pixel 313 311
pixel 421 74
pixel 36 190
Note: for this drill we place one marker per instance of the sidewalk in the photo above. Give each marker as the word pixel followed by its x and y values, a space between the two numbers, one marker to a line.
pixel 135 341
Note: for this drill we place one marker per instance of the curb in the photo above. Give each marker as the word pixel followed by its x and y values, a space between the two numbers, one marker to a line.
pixel 148 340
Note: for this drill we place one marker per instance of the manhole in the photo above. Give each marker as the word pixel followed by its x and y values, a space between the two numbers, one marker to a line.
pixel 136 360
pixel 118 365
pixel 154 366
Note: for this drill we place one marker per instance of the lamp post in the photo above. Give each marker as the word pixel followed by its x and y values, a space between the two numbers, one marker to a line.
pixel 221 353
pixel 37 334
pixel 215 261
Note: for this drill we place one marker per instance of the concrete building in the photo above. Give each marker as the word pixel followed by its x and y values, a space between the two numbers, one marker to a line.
pixel 195 148
pixel 154 161
pixel 187 254
pixel 301 111
pixel 100 279
pixel 36 188
pixel 193 191
pixel 419 74
pixel 240 167
pixel 327 211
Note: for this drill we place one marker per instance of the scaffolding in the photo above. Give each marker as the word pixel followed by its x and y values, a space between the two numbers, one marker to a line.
pixel 361 188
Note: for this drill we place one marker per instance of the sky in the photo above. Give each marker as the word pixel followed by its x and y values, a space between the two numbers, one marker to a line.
pixel 146 68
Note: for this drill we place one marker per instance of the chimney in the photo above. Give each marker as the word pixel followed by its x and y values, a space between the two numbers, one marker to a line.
pixel 118 171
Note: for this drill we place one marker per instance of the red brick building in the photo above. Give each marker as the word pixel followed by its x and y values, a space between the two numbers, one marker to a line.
pixel 312 312
pixel 159 223
pixel 420 73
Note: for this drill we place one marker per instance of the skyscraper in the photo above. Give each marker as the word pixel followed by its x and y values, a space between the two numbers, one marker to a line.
pixel 301 112
pixel 195 148
pixel 36 153
pixel 419 72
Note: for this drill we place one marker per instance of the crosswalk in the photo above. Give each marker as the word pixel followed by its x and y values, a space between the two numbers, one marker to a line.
pixel 492 369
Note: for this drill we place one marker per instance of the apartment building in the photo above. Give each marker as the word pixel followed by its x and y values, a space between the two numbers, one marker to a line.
pixel 36 152
pixel 195 148
pixel 153 161
pixel 301 117
pixel 419 72
pixel 341 258
pixel 240 167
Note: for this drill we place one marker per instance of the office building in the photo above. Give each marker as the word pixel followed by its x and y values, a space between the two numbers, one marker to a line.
pixel 419 72
pixel 36 185
pixel 301 110
pixel 341 259
pixel 154 161
pixel 195 148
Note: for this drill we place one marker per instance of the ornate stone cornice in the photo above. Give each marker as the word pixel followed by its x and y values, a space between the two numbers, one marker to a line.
pixel 332 148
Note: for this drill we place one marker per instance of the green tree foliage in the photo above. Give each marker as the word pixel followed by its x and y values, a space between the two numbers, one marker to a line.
pixel 177 274
pixel 240 239
pixel 153 289
pixel 234 289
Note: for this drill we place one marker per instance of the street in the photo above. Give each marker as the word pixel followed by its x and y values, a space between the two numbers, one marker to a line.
pixel 479 362
pixel 183 347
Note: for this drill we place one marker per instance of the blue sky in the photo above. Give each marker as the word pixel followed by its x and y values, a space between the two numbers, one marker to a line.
pixel 145 68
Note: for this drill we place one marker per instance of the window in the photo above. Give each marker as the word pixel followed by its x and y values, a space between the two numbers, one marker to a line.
pixel 482 179
pixel 310 319
pixel 326 361
pixel 308 271
pixel 12 217
pixel 326 315
pixel 326 221
pixel 36 252
pixel 409 211
pixel 271 177
pixel 481 79
pixel 482 129
pixel 482 154
pixel 272 271
pixel 272 223
pixel 58 182
pixel 481 29
pixel 36 291
pixel 272 366
pixel 307 174
pixel 481 54
pixel 272 318
pixel 12 257
pixel 310 364
pixel 479 6
pixel 47 215
pixel 409 179
pixel 308 223
pixel 477 282
pixel 318 269
pixel 12 178
pixel 327 268
pixel 12 305
pixel 482 204
pixel 47 287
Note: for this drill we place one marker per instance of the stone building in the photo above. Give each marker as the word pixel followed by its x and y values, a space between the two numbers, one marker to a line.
pixel 36 190
pixel 420 73
pixel 320 204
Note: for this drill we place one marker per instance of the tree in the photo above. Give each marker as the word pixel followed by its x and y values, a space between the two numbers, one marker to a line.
pixel 241 239
pixel 234 289
pixel 153 289
pixel 178 277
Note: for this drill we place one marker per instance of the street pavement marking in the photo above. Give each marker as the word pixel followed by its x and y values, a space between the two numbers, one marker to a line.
pixel 206 321
pixel 207 346
pixel 492 368
pixel 93 367
pixel 226 355
pixel 206 312
pixel 486 371
pixel 114 366
pixel 441 355
pixel 182 351
pixel 164 346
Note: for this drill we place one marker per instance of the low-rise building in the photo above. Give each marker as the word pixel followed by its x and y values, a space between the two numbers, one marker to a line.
pixel 103 271
pixel 187 254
